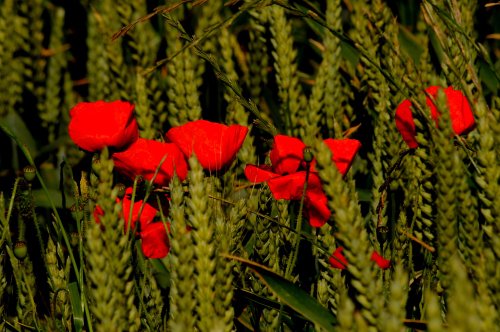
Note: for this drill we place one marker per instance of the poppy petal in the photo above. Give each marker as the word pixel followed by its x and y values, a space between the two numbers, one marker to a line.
pixel 317 212
pixel 462 119
pixel 143 158
pixel 433 91
pixel 289 187
pixel 316 203
pixel 405 124
pixel 343 152
pixel 147 216
pixel 94 126
pixel 214 144
pixel 97 213
pixel 287 154
pixel 155 242
pixel 337 259
pixel 257 174
pixel 381 261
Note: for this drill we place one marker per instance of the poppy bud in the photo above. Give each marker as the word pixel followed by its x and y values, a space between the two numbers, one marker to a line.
pixel 29 172
pixel 382 234
pixel 20 250
pixel 120 190
pixel 308 155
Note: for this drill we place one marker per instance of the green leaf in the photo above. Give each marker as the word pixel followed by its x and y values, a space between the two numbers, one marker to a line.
pixel 364 194
pixel 16 125
pixel 489 76
pixel 292 295
pixel 410 44
pixel 42 199
pixel 350 53
pixel 74 296
pixel 161 273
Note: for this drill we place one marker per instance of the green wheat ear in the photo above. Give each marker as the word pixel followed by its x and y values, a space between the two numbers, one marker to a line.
pixel 352 236
pixel 448 166
pixel 293 101
pixel 183 79
pixel 182 299
pixel 108 255
pixel 50 113
pixel 201 218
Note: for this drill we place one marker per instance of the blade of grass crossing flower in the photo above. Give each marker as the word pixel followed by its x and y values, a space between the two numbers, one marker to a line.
pixel 292 295
pixel 148 190
pixel 132 201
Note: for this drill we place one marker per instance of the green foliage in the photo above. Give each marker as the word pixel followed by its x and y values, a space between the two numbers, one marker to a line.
pixel 309 69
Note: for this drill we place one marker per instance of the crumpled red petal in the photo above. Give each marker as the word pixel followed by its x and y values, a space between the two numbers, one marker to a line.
pixel 155 243
pixel 257 174
pixel 462 118
pixel 96 125
pixel 287 154
pixel 214 144
pixel 316 207
pixel 337 259
pixel 381 261
pixel 432 90
pixel 147 215
pixel 291 187
pixel 143 158
pixel 288 187
pixel 343 152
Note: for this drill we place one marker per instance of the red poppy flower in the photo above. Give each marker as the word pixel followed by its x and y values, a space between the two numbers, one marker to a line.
pixel 462 119
pixel 143 158
pixel 214 144
pixel 154 240
pixel 286 177
pixel 100 124
pixel 147 215
pixel 338 260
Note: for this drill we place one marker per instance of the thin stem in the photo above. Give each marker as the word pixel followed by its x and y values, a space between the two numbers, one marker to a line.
pixel 292 260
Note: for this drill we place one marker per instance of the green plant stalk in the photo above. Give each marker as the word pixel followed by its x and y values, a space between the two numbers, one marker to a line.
pixel 22 280
pixel 274 220
pixel 11 203
pixel 58 220
pixel 132 201
pixel 37 229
